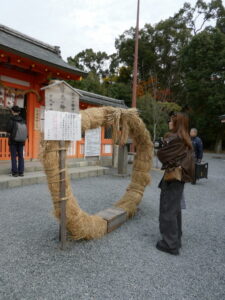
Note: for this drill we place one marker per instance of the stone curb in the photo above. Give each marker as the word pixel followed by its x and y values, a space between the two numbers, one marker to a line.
pixel 37 167
pixel 7 182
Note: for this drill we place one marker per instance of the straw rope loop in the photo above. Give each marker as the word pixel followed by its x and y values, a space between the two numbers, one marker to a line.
pixel 125 123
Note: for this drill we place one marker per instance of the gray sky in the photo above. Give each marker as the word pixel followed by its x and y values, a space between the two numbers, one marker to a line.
pixel 75 25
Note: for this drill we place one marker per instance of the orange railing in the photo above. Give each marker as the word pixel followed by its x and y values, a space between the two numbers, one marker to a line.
pixel 4 149
pixel 76 149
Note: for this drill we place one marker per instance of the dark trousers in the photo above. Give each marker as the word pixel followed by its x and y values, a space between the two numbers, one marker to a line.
pixel 16 150
pixel 170 219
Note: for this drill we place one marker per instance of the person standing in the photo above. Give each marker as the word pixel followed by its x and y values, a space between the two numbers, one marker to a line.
pixel 177 160
pixel 197 145
pixel 17 131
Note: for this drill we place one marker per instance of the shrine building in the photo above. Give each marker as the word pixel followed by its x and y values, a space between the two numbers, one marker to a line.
pixel 26 66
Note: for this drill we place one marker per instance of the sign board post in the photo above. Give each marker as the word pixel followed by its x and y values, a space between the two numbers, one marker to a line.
pixel 62 194
pixel 123 158
pixel 62 122
pixel 62 126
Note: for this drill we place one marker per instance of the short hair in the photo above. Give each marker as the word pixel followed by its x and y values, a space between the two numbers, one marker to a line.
pixel 16 109
pixel 194 129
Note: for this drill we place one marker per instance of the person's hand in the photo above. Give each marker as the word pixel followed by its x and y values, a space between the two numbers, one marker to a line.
pixel 199 161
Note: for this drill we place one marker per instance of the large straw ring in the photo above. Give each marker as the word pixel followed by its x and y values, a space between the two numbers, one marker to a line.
pixel 125 123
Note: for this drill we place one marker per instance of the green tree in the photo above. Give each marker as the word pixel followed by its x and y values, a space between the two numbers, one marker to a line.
pixel 160 46
pixel 90 61
pixel 202 13
pixel 203 63
pixel 119 85
pixel 104 75
pixel 155 114
pixel 181 59
pixel 91 83
pixel 119 90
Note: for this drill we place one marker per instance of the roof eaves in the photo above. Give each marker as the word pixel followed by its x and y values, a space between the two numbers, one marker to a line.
pixel 97 96
pixel 68 69
pixel 101 102
pixel 54 49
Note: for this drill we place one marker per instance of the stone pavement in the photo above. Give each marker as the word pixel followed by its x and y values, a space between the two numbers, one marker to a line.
pixel 123 264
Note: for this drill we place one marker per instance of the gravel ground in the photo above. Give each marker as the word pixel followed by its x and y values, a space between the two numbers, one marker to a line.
pixel 125 263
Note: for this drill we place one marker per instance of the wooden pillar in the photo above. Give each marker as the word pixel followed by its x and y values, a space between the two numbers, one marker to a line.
pixel 122 160
pixel 115 156
pixel 30 124
pixel 36 129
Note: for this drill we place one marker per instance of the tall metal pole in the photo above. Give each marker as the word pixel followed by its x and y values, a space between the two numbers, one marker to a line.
pixel 134 92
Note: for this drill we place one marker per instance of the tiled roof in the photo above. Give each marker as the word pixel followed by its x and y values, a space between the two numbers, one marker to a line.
pixel 26 46
pixel 99 99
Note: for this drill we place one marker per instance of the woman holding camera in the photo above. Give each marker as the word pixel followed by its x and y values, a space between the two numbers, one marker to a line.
pixel 176 157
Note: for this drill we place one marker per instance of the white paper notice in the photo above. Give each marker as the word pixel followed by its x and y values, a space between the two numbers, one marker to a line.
pixel 62 126
pixel 93 142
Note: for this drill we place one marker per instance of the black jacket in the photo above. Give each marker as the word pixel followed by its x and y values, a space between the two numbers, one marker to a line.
pixel 198 147
pixel 175 153
pixel 11 128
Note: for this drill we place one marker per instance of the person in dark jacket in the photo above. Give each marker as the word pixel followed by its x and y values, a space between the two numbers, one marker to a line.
pixel 177 160
pixel 197 145
pixel 16 148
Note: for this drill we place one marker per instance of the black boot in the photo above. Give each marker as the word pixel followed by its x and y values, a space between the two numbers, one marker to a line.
pixel 161 246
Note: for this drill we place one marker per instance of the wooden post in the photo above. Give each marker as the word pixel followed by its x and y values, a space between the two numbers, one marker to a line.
pixel 122 160
pixel 115 156
pixel 62 194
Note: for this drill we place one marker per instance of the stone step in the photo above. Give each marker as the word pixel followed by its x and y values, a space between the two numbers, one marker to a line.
pixel 36 166
pixel 29 178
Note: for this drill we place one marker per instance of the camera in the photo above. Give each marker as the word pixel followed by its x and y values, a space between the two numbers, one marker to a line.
pixel 158 143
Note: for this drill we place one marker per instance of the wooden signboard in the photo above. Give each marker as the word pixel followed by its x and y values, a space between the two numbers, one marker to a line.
pixel 62 122
pixel 61 97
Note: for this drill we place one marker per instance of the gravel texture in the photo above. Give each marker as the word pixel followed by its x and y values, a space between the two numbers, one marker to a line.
pixel 125 263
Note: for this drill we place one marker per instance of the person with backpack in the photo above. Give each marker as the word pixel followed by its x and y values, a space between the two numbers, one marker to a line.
pixel 17 131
